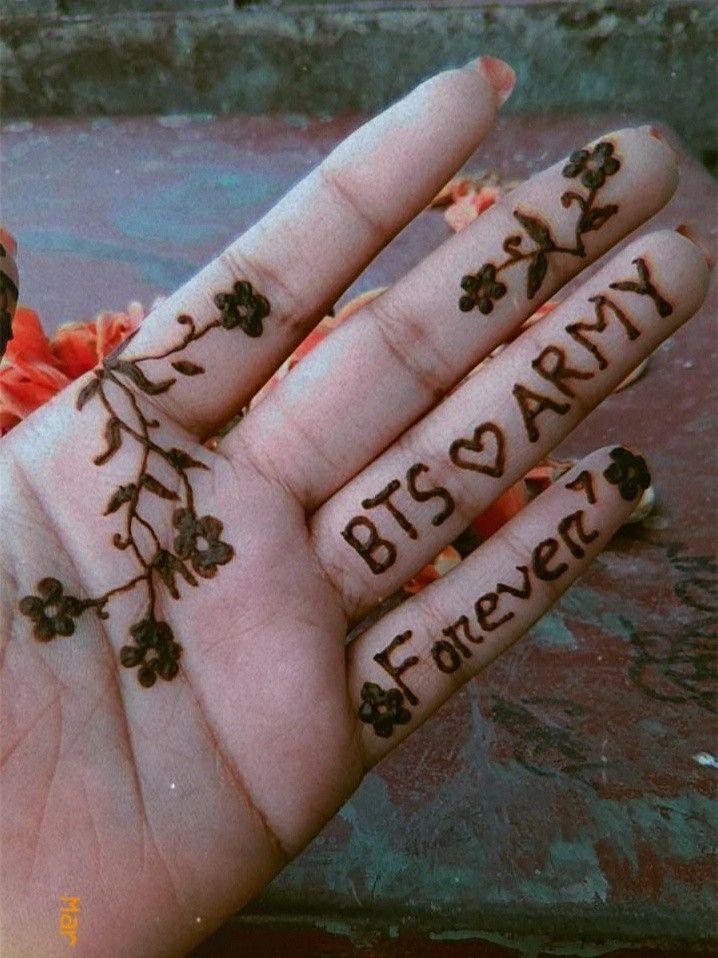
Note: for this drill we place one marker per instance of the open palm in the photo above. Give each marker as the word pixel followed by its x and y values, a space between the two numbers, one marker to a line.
pixel 180 710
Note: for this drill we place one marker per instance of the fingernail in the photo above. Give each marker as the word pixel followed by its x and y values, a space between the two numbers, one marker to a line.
pixel 659 135
pixel 499 74
pixel 695 235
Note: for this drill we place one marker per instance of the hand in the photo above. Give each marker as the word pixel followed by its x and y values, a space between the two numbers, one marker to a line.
pixel 181 713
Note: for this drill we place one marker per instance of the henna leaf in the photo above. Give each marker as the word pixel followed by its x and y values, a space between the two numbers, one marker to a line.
pixel 538 231
pixel 154 485
pixel 168 566
pixel 87 392
pixel 594 219
pixel 133 372
pixel 187 368
pixel 570 197
pixel 113 435
pixel 182 460
pixel 120 496
pixel 537 272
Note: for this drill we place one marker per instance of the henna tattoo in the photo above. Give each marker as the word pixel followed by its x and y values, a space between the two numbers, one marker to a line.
pixel 450 652
pixel 540 558
pixel 583 483
pixel 644 287
pixel 558 372
pixel 481 290
pixel 382 708
pixel 383 498
pixel 379 553
pixel 396 671
pixel 495 467
pixel 426 495
pixel 532 404
pixel 601 305
pixel 198 549
pixel 524 591
pixel 628 472
pixel 574 524
pixel 374 544
pixel 485 606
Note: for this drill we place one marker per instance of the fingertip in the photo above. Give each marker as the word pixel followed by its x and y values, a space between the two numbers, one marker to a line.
pixel 499 74
pixel 696 236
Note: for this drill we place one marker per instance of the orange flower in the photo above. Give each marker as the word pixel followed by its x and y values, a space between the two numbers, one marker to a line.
pixel 468 207
pixel 34 367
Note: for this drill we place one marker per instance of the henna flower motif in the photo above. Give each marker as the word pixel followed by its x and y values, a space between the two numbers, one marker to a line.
pixel 628 472
pixel 155 652
pixel 383 708
pixel 242 307
pixel 52 612
pixel 481 289
pixel 198 540
pixel 592 165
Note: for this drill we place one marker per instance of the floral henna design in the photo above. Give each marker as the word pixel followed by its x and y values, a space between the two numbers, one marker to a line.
pixel 197 549
pixel 482 289
pixel 382 708
pixel 629 472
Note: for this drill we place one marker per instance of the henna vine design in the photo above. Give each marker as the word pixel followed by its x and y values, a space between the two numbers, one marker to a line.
pixel 382 708
pixel 629 472
pixel 197 549
pixel 483 288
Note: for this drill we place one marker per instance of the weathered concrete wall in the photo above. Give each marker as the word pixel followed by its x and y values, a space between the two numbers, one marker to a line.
pixel 149 56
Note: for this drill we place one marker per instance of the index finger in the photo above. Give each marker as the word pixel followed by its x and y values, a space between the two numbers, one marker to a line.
pixel 278 279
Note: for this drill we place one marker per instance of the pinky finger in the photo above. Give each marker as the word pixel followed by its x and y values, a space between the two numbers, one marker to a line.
pixel 403 668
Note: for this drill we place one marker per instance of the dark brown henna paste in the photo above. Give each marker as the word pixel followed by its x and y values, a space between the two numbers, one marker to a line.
pixel 551 365
pixel 628 472
pixel 583 483
pixel 461 447
pixel 382 708
pixel 532 405
pixel 485 606
pixel 383 498
pixel 374 544
pixel 644 287
pixel 483 288
pixel 197 543
pixel 574 524
pixel 601 306
pixel 524 591
pixel 426 495
pixel 396 671
pixel 540 558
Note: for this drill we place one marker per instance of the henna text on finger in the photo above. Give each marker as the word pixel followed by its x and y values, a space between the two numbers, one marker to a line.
pixel 552 365
pixel 119 385
pixel 490 612
pixel 378 552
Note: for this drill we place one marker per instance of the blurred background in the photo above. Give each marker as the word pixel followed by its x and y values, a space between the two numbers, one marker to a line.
pixel 108 57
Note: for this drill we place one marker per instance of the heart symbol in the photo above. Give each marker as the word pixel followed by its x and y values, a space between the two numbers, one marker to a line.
pixel 476 444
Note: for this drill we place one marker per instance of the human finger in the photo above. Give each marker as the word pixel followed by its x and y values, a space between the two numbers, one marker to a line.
pixel 9 284
pixel 390 362
pixel 403 668
pixel 245 312
pixel 384 525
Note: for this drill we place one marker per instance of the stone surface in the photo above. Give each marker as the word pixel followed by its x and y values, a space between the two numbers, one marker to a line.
pixel 651 56
pixel 567 794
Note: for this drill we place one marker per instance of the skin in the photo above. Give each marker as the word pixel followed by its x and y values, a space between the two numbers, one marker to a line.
pixel 166 809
